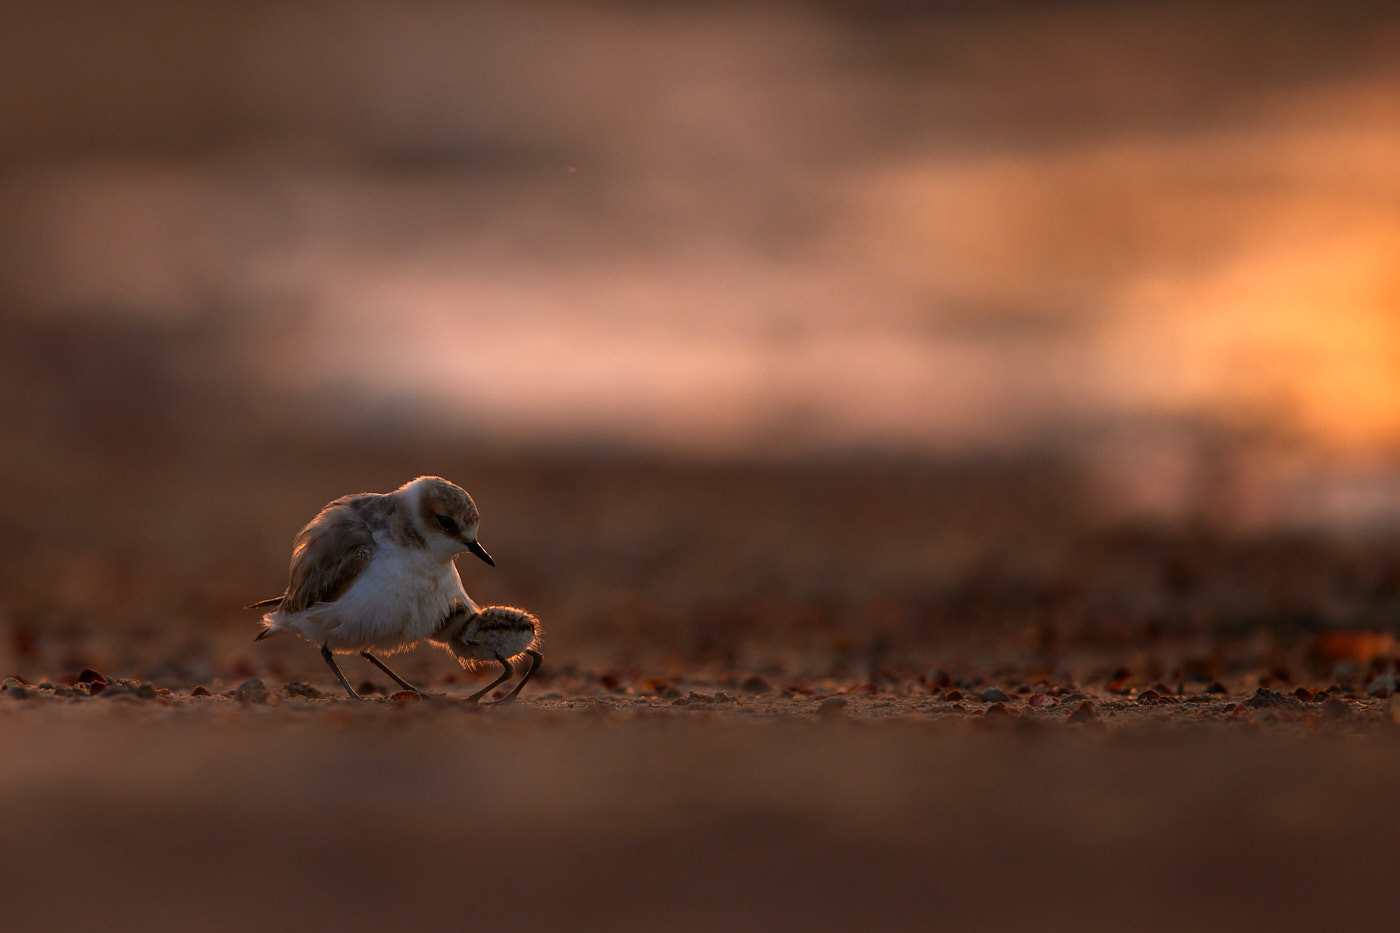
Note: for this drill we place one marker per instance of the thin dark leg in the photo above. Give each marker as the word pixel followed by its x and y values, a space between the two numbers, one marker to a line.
pixel 534 666
pixel 397 679
pixel 476 697
pixel 330 659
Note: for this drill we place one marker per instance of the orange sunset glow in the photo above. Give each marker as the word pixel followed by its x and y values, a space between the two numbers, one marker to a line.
pixel 953 280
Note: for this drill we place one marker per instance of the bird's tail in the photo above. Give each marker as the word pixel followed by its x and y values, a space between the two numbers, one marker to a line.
pixel 270 603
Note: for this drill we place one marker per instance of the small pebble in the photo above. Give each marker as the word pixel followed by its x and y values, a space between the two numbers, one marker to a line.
pixel 199 692
pixel 657 686
pixel 1264 698
pixel 407 696
pixel 1085 712
pixel 90 676
pixel 756 684
pixel 1335 709
pixel 1382 686
pixel 938 678
pixel 251 691
pixel 994 695
pixel 1346 670
pixel 832 707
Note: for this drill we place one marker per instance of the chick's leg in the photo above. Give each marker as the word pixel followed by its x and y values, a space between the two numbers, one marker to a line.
pixel 476 697
pixel 534 666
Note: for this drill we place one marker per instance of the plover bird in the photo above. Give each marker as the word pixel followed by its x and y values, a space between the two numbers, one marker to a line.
pixel 496 633
pixel 376 572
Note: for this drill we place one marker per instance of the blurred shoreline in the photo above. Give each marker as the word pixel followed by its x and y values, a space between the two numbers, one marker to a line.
pixel 1156 237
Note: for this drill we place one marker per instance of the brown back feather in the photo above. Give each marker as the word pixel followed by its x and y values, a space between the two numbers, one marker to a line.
pixel 333 550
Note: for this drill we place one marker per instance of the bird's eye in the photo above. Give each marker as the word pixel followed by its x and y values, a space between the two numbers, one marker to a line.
pixel 446 524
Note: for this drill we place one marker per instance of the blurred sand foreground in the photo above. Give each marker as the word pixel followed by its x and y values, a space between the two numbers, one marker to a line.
pixel 597 813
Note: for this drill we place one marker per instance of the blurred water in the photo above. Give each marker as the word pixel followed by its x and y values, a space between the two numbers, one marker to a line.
pixel 734 229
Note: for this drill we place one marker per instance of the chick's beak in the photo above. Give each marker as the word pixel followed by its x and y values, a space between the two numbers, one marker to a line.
pixel 476 548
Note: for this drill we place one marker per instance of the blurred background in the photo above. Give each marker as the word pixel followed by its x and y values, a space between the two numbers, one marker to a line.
pixel 818 337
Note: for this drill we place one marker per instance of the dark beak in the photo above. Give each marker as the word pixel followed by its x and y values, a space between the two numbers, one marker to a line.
pixel 476 548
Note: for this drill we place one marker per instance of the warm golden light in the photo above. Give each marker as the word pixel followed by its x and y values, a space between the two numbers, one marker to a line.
pixel 1304 334
pixel 782 246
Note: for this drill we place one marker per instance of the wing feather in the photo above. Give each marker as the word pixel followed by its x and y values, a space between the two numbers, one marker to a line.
pixel 330 553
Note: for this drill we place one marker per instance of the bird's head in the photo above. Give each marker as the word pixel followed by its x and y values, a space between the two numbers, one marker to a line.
pixel 446 516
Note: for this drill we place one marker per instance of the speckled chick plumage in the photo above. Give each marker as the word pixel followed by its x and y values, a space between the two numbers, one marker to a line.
pixel 491 634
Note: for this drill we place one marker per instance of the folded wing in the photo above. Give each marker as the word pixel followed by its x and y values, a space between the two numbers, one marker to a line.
pixel 330 553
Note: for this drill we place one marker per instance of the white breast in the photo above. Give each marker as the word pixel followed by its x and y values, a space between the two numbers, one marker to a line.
pixel 400 598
